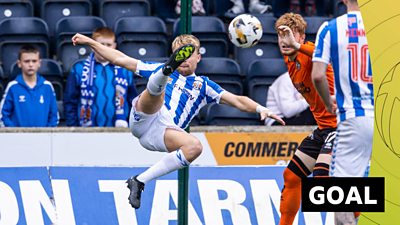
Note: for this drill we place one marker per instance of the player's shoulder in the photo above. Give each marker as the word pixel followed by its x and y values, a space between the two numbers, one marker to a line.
pixel 309 43
pixel 204 79
pixel 201 77
pixel 330 24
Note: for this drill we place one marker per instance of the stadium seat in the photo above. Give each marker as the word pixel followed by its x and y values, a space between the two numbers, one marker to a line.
pixel 50 70
pixel 60 107
pixel 224 71
pixel 2 89
pixel 261 75
pixel 268 25
pixel 3 82
pixel 225 115
pixel 199 119
pixel 22 28
pixel 313 24
pixel 165 9
pixel 140 28
pixel 18 31
pixel 204 27
pixel 245 56
pixel 54 10
pixel 142 36
pixel 212 34
pixel 144 49
pixel 67 27
pixel 2 75
pixel 15 8
pixel 140 83
pixel 112 10
pixel 68 53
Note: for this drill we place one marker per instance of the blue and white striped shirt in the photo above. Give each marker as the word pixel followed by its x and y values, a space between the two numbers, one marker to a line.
pixel 343 42
pixel 184 96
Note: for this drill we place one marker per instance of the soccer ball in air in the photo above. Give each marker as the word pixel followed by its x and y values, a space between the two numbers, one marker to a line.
pixel 245 31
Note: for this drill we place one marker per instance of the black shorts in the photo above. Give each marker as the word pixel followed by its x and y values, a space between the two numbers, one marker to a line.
pixel 319 141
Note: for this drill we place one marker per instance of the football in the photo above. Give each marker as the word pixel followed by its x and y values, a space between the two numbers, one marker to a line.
pixel 245 31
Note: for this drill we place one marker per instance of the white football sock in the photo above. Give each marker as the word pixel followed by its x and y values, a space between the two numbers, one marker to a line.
pixel 157 82
pixel 171 162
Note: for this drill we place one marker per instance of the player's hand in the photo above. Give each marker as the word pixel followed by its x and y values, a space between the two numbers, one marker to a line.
pixel 265 112
pixel 277 118
pixel 287 36
pixel 332 107
pixel 79 39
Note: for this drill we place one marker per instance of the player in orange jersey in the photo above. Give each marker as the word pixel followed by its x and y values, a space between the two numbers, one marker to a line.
pixel 314 152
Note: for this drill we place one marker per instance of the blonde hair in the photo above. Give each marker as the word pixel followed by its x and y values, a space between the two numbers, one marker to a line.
pixel 104 32
pixel 185 39
pixel 294 21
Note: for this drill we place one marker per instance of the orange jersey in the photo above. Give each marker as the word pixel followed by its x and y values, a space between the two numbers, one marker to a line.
pixel 300 74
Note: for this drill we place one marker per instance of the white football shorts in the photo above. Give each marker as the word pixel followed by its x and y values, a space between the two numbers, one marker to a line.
pixel 150 128
pixel 353 147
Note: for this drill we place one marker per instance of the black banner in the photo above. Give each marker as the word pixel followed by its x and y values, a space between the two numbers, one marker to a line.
pixel 343 194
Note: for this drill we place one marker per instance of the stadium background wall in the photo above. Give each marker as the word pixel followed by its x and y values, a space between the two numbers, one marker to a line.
pixel 76 176
pixel 247 145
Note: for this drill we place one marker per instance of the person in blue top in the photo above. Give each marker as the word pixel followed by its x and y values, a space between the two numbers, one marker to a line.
pixel 173 96
pixel 99 93
pixel 29 100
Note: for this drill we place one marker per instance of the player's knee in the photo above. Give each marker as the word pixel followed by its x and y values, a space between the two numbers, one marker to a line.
pixel 290 178
pixel 195 148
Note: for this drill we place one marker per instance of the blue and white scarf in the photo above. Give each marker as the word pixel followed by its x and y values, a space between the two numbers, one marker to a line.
pixel 87 94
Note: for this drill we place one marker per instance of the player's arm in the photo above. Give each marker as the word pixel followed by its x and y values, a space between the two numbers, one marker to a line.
pixel 246 104
pixel 320 81
pixel 112 55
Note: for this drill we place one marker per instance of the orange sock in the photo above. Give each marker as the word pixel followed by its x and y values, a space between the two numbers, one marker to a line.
pixel 291 197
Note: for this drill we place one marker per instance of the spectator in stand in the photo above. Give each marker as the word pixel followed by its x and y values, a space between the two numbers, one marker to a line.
pixel 255 7
pixel 29 100
pixel 99 93
pixel 197 8
pixel 303 7
pixel 285 101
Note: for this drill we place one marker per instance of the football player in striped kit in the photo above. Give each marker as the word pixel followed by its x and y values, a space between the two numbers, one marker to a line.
pixel 173 96
pixel 343 42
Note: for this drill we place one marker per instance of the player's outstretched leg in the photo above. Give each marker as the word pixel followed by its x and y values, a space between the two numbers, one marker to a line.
pixel 188 149
pixel 177 58
pixel 158 81
pixel 136 187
